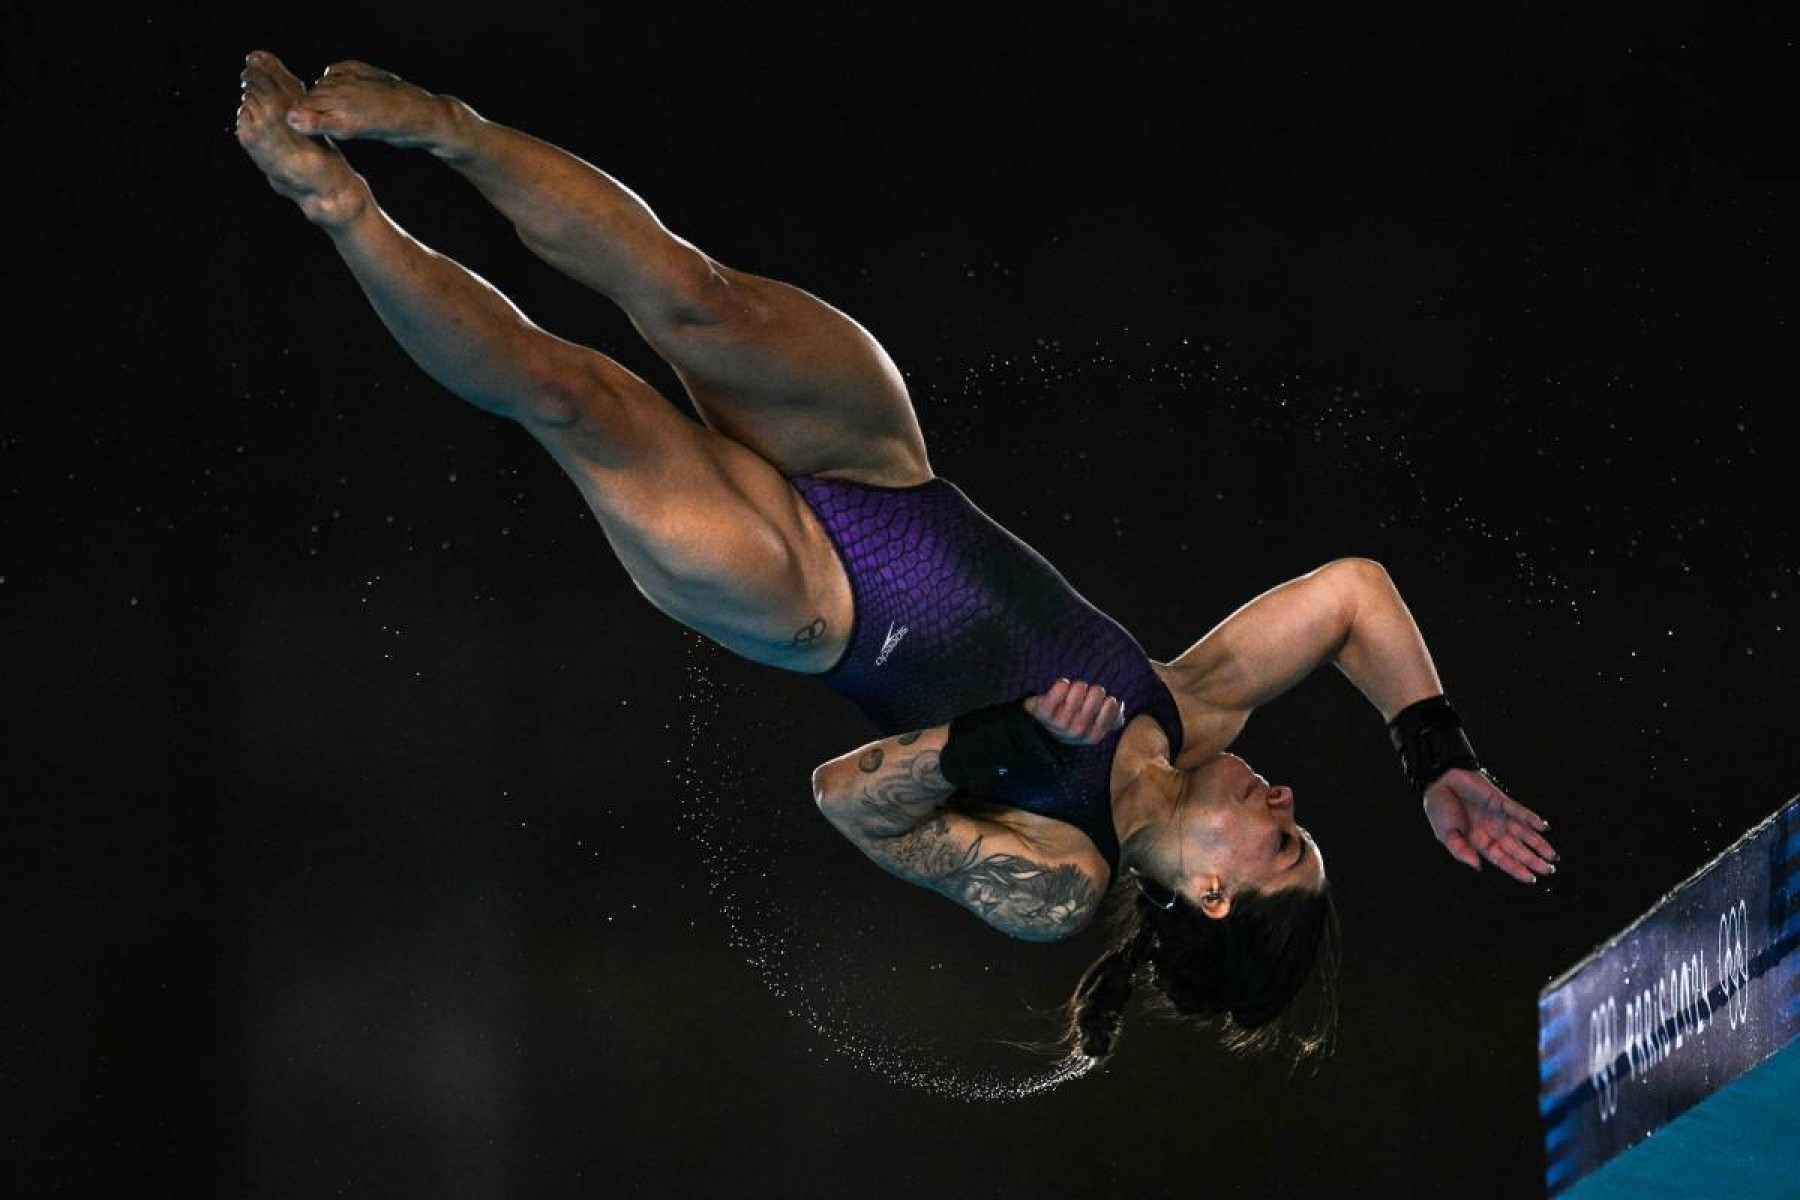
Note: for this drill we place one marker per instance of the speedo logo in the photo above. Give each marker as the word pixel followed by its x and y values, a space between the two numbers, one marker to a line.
pixel 889 642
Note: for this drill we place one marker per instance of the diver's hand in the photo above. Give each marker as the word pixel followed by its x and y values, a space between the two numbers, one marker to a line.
pixel 1077 714
pixel 1476 820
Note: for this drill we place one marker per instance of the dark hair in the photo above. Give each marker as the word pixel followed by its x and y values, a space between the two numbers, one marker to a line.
pixel 1236 974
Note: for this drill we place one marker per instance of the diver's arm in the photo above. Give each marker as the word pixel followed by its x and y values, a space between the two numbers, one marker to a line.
pixel 889 786
pixel 885 787
pixel 889 798
pixel 1347 612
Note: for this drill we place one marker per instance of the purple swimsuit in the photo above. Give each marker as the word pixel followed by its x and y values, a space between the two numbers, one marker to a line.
pixel 954 613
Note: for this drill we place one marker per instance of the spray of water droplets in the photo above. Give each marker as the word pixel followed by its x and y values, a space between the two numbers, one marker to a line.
pixel 723 812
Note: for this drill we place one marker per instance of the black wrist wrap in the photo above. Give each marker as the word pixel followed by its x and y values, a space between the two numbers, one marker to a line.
pixel 1430 739
pixel 993 741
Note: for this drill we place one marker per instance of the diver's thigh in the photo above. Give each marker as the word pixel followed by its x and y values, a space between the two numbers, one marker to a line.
pixel 716 538
pixel 798 382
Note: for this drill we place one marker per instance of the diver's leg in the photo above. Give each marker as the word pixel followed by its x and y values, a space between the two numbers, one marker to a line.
pixel 768 365
pixel 710 533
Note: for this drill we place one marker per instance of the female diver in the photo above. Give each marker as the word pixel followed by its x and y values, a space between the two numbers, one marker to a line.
pixel 1032 753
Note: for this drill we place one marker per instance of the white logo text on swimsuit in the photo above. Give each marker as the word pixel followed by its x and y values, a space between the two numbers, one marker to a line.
pixel 888 643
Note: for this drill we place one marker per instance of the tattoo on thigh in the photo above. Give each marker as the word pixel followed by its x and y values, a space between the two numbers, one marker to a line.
pixel 807 634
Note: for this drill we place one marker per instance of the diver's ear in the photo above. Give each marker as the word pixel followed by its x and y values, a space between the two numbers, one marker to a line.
pixel 1215 902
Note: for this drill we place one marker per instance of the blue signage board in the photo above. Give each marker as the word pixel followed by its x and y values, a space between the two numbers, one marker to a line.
pixel 1693 994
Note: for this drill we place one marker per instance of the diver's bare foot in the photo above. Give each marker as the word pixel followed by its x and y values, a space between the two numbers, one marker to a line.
pixel 354 100
pixel 308 171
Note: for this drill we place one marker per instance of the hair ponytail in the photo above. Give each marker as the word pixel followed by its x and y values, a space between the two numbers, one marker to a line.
pixel 1237 974
pixel 1098 1006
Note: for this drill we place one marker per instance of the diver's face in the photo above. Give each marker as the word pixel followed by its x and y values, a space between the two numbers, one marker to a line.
pixel 1239 830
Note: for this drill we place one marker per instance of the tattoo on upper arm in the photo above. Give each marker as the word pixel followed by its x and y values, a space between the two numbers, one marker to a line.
pixel 1019 895
pixel 1022 896
pixel 891 804
pixel 920 853
pixel 870 762
pixel 907 739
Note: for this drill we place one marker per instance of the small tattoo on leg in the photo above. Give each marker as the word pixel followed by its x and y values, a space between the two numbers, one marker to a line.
pixel 807 634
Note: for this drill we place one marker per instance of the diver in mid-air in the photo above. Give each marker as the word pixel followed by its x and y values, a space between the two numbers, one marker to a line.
pixel 1031 754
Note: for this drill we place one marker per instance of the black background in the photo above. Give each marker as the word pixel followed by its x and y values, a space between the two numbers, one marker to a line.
pixel 367 834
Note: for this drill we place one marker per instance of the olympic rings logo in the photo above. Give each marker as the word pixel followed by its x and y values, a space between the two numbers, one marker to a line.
pixel 1603 1038
pixel 1734 963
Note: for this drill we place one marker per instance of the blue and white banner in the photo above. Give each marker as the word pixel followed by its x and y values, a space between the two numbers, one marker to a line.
pixel 1694 993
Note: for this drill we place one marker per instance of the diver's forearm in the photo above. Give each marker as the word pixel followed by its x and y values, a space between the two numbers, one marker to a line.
pixel 1384 654
pixel 887 787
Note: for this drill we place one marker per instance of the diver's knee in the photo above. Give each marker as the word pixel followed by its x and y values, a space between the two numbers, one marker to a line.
pixel 695 299
pixel 1363 570
pixel 574 397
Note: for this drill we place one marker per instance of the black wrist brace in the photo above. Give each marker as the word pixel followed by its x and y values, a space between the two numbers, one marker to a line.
pixel 1430 740
pixel 993 741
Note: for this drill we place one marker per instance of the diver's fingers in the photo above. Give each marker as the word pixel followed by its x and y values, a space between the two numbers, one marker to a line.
pixel 1108 717
pixel 1053 708
pixel 1079 700
pixel 1062 713
pixel 1538 843
pixel 1519 812
pixel 1497 854
pixel 1093 704
pixel 1527 857
pixel 1047 701
pixel 1075 711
